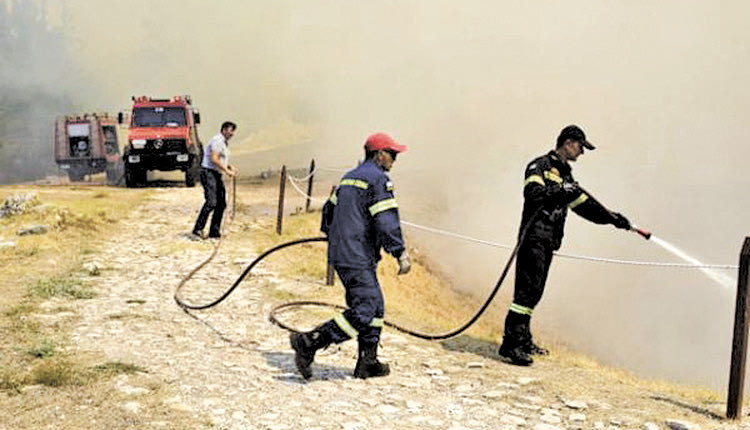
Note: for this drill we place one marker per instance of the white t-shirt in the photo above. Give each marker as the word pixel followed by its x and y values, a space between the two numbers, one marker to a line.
pixel 217 143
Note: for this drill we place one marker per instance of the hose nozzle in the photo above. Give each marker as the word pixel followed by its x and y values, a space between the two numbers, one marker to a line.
pixel 645 233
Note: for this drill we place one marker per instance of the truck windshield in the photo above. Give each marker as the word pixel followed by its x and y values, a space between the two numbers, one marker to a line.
pixel 159 117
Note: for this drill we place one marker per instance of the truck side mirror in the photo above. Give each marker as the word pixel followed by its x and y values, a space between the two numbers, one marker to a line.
pixel 196 117
pixel 120 117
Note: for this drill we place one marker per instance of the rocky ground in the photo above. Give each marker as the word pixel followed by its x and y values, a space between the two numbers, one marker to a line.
pixel 229 368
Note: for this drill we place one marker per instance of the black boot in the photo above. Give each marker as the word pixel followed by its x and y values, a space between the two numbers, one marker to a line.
pixel 305 345
pixel 368 365
pixel 534 349
pixel 515 340
pixel 514 354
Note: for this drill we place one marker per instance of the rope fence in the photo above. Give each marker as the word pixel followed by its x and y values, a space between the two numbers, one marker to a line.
pixel 304 194
pixel 309 175
pixel 294 181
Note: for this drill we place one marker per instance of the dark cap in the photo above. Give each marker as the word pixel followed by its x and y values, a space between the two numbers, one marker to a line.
pixel 573 132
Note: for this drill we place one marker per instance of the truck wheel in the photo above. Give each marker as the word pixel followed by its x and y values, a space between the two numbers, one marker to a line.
pixel 192 173
pixel 75 176
pixel 189 178
pixel 134 177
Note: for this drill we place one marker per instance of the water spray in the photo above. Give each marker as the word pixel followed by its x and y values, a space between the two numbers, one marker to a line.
pixel 634 228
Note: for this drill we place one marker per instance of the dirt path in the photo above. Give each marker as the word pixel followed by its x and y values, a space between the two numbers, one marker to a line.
pixel 229 368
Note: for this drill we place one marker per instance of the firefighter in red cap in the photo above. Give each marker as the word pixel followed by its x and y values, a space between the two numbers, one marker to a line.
pixel 360 218
pixel 549 191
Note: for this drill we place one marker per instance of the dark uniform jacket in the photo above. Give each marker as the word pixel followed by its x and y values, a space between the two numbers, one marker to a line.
pixel 543 191
pixel 361 217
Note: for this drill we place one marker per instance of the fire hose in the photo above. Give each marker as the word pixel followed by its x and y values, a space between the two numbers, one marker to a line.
pixel 273 314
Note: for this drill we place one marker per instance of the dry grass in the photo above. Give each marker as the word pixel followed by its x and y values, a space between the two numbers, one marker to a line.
pixel 11 380
pixel 421 300
pixel 306 261
pixel 117 368
pixel 39 375
pixel 55 373
pixel 76 219
pixel 428 302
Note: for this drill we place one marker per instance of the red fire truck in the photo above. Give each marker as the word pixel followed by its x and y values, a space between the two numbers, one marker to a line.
pixel 163 135
pixel 87 144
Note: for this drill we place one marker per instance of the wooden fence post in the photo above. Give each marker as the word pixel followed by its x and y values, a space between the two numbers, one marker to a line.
pixel 234 196
pixel 282 187
pixel 739 341
pixel 309 185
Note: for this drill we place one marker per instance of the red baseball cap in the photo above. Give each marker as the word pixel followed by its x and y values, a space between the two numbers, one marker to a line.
pixel 380 141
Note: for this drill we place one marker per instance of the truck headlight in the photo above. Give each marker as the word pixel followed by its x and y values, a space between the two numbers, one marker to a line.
pixel 138 143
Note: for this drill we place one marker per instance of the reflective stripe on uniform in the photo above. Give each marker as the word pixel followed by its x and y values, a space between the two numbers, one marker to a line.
pixel 383 205
pixel 376 322
pixel 520 309
pixel 534 178
pixel 345 326
pixel 333 199
pixel 355 183
pixel 582 198
pixel 552 177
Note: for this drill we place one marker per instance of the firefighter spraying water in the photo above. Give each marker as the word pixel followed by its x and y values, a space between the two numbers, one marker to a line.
pixel 549 190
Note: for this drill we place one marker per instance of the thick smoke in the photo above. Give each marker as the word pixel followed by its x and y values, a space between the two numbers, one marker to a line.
pixel 37 83
pixel 477 89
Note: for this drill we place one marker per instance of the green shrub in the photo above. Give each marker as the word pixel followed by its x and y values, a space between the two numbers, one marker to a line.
pixel 61 287
pixel 45 349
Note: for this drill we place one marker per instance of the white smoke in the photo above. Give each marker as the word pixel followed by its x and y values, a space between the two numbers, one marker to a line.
pixel 477 89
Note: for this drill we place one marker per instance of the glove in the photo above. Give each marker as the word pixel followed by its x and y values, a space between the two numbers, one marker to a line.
pixel 404 264
pixel 619 221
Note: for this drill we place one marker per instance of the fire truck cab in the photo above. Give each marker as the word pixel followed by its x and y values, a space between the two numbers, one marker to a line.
pixel 163 135
pixel 87 144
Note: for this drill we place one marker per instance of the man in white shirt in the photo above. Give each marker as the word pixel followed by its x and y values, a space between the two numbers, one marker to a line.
pixel 215 162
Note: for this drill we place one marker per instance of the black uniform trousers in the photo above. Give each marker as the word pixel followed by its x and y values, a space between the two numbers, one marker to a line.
pixel 532 266
pixel 216 202
pixel 364 317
